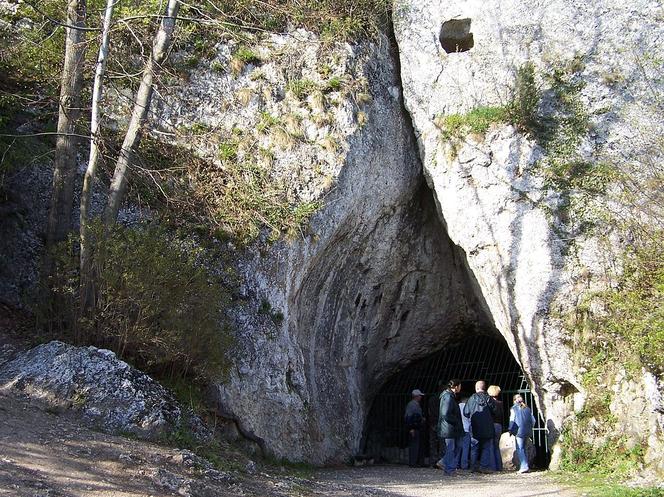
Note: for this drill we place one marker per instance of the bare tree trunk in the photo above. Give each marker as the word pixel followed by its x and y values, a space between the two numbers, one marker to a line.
pixel 139 113
pixel 62 199
pixel 87 278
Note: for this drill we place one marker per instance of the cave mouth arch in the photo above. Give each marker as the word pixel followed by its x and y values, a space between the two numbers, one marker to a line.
pixel 478 357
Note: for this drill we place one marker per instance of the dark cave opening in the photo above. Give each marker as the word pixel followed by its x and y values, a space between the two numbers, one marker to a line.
pixel 455 36
pixel 485 357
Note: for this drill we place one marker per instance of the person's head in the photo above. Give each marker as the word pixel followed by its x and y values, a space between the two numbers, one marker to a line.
pixel 493 391
pixel 518 401
pixel 480 386
pixel 417 394
pixel 454 385
pixel 441 385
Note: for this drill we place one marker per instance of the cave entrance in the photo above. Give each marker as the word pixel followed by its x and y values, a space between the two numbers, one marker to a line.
pixel 479 357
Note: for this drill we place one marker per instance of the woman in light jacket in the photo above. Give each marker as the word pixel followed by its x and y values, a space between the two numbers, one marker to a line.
pixel 521 425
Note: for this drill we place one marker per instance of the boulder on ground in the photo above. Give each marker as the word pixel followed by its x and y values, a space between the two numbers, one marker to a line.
pixel 508 451
pixel 106 392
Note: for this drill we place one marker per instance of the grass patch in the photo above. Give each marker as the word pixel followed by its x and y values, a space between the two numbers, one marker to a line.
pixel 267 121
pixel 477 121
pixel 335 83
pixel 248 56
pixel 334 20
pixel 220 455
pixel 237 202
pixel 596 485
pixel 630 327
pixel 299 469
pixel 301 88
pixel 227 151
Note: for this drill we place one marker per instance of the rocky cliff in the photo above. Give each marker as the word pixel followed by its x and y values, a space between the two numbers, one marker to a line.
pixel 425 232
pixel 493 190
pixel 373 284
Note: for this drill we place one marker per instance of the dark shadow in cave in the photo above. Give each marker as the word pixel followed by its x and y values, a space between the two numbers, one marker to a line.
pixel 482 356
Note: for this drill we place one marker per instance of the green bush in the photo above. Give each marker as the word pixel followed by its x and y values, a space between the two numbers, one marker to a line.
pixel 633 313
pixel 523 109
pixel 611 458
pixel 156 305
pixel 623 332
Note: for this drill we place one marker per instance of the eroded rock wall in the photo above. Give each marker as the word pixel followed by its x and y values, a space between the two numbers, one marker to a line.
pixel 375 285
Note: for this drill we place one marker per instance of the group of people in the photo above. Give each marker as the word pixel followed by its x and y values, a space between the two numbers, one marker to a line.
pixel 466 435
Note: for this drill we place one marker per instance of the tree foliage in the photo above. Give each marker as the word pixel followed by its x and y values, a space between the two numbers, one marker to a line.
pixel 156 304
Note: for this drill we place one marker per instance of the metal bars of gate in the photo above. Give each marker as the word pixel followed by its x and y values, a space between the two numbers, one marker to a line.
pixel 540 431
pixel 474 358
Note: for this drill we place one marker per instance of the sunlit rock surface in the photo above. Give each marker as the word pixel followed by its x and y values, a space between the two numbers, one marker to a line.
pixel 496 206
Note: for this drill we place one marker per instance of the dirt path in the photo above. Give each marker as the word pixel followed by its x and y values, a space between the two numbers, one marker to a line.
pixel 402 481
pixel 46 454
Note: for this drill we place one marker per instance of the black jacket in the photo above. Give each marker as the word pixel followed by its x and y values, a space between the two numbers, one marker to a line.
pixel 449 418
pixel 499 415
pixel 480 408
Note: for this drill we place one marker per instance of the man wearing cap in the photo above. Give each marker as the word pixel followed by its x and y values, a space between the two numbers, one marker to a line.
pixel 414 423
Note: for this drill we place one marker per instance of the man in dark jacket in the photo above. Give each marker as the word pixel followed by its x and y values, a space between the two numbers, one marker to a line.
pixel 480 408
pixel 450 426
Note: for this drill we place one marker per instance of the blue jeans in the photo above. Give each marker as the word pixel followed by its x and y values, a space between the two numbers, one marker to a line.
pixel 464 453
pixel 452 449
pixel 414 448
pixel 474 453
pixel 521 453
pixel 498 429
pixel 487 459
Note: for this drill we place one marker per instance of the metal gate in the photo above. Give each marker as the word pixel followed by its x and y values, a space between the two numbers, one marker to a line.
pixel 480 357
pixel 540 432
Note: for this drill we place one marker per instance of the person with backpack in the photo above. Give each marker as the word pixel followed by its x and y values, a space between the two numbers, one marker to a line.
pixel 521 426
pixel 414 420
pixel 450 427
pixel 480 408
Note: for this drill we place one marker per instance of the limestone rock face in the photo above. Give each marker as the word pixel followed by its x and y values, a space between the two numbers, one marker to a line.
pixel 491 196
pixel 377 286
pixel 104 391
